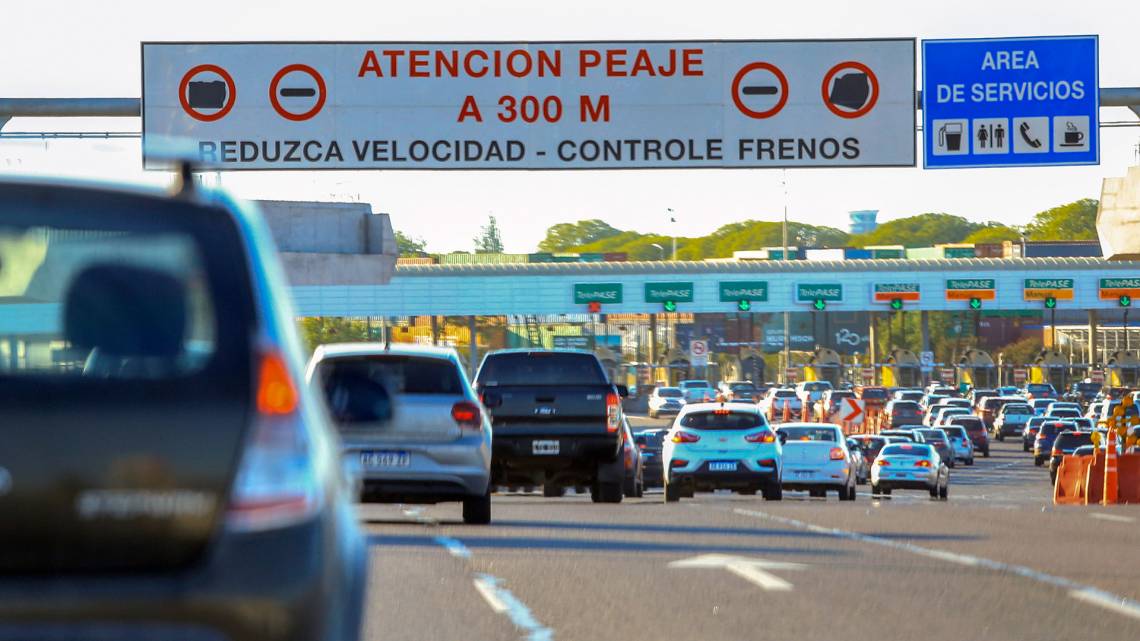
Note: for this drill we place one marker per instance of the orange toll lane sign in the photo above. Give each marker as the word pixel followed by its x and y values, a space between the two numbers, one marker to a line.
pixel 531 105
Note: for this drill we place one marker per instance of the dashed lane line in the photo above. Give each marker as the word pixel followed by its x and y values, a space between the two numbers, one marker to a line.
pixel 1085 593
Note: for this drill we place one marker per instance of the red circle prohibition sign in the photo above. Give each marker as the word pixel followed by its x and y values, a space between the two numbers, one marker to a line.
pixel 751 113
pixel 230 98
pixel 321 93
pixel 862 111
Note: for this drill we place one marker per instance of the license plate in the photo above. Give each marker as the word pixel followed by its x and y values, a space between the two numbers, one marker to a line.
pixel 544 448
pixel 722 466
pixel 385 458
pixel 803 474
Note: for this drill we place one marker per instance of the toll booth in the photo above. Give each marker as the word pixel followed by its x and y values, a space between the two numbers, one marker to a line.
pixel 824 365
pixel 901 369
pixel 749 365
pixel 677 366
pixel 976 368
pixel 1051 366
pixel 610 362
pixel 1122 369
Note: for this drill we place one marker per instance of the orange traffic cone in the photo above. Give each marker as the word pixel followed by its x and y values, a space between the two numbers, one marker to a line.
pixel 787 412
pixel 1111 475
pixel 772 413
pixel 805 411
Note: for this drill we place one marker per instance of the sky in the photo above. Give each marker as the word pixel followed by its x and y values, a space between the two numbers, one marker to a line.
pixel 85 49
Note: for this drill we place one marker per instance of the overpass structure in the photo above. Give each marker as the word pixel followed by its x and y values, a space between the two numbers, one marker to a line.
pixel 715 286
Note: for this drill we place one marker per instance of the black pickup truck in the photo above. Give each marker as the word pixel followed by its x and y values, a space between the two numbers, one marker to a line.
pixel 556 421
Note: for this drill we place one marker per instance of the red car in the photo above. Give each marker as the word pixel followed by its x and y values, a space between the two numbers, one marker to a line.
pixel 977 432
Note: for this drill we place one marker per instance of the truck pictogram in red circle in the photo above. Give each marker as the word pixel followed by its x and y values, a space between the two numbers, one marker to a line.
pixel 320 91
pixel 737 90
pixel 223 107
pixel 872 90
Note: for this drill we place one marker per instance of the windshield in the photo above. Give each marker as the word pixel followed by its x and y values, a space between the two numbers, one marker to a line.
pixel 874 393
pixel 809 434
pixel 721 420
pixel 817 386
pixel 697 384
pixel 906 449
pixel 540 368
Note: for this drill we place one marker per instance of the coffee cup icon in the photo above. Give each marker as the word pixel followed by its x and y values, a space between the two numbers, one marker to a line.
pixel 1074 137
pixel 950 136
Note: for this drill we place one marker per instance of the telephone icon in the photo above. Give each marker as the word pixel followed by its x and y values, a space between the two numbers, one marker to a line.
pixel 1028 137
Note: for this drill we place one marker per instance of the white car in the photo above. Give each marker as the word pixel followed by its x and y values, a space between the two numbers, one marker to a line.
pixel 816 459
pixel 665 400
pixel 1063 409
pixel 910 466
pixel 774 401
pixel 698 391
pixel 812 391
pixel 715 446
pixel 946 413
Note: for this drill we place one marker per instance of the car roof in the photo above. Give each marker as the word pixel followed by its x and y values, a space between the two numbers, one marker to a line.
pixel 709 407
pixel 338 350
pixel 798 424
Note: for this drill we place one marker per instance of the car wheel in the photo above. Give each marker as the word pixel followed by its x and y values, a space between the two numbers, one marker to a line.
pixel 952 464
pixel 876 490
pixel 944 492
pixel 1000 436
pixel 629 487
pixel 1024 446
pixel 847 493
pixel 640 489
pixel 934 492
pixel 477 509
pixel 609 492
pixel 553 491
pixel 672 492
pixel 986 453
pixel 774 492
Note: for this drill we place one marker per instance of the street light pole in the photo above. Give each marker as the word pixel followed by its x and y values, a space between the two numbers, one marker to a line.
pixel 784 256
pixel 673 228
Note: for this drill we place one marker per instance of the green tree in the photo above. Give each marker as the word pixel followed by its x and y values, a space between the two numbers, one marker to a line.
pixel 1074 221
pixel 409 246
pixel 993 232
pixel 922 230
pixel 319 330
pixel 489 241
pixel 563 236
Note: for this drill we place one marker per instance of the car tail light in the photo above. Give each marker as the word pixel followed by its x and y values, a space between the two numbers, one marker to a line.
pixel 1056 451
pixel 721 412
pixel 685 437
pixel 613 412
pixel 641 446
pixel 467 415
pixel 922 463
pixel 965 442
pixel 765 436
pixel 836 454
pixel 276 485
pixel 882 462
pixel 678 462
pixel 767 462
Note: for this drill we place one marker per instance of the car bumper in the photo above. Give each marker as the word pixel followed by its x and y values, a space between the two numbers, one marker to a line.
pixel 667 409
pixel 302 582
pixel 577 458
pixel 1010 430
pixel 904 480
pixel 652 472
pixel 703 479
pixel 803 477
pixel 436 471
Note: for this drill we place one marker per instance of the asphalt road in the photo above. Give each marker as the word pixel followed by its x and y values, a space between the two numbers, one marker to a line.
pixel 997 561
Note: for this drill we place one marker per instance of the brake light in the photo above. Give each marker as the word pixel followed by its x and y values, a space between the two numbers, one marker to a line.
pixel 837 454
pixel 767 462
pixel 1056 451
pixel 641 446
pixel 765 436
pixel 678 462
pixel 721 412
pixel 882 462
pixel 467 415
pixel 276 485
pixel 965 442
pixel 613 412
pixel 685 437
pixel 276 394
pixel 922 463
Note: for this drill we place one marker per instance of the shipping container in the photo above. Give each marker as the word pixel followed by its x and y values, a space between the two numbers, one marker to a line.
pixel 540 257
pixel 417 260
pixel 823 254
pixel 462 258
pixel 777 253
pixel 615 257
pixel 989 250
pixel 591 257
pixel 893 252
pixel 566 257
pixel 1063 249
pixel 750 254
pixel 924 253
pixel 956 250
pixel 855 253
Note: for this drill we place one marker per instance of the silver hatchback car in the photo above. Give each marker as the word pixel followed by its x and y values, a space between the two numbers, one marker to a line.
pixel 437 445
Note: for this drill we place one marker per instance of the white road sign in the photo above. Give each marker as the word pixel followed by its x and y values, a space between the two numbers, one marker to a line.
pixel 699 353
pixel 536 105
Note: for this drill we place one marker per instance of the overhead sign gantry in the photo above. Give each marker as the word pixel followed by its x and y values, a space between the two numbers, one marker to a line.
pixel 533 105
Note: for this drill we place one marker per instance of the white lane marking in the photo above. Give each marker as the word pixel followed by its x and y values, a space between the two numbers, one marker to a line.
pixel 503 602
pixel 749 569
pixel 455 547
pixel 416 514
pixel 1115 518
pixel 1086 593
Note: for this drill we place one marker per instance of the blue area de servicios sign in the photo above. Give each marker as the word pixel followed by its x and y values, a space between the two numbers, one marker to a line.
pixel 1010 102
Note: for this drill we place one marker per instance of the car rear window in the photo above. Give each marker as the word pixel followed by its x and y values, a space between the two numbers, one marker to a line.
pixel 1034 388
pixel 743 387
pixel 540 368
pixel 721 420
pixel 669 392
pixel 695 384
pixel 809 434
pixel 906 449
pixel 785 393
pixel 1067 440
pixel 871 442
pixel 1017 409
pixel 874 393
pixel 1050 429
pixel 401 374
pixel 971 424
pixel 933 435
pixel 120 288
pixel 651 439
pixel 955 432
pixel 905 405
pixel 817 386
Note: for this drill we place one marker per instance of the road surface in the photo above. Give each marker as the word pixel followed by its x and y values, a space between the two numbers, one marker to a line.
pixel 998 561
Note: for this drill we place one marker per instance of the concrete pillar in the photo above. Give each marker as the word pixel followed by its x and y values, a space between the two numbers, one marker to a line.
pixel 652 360
pixel 1093 355
pixel 871 341
pixel 925 320
pixel 473 348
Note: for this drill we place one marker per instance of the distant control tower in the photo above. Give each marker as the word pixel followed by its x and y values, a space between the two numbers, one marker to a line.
pixel 863 221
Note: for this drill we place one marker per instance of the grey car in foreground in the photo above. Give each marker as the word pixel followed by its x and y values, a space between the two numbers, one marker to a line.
pixel 437 445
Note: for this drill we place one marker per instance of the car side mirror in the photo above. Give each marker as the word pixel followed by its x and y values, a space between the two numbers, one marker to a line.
pixel 492 400
pixel 622 390
pixel 783 436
